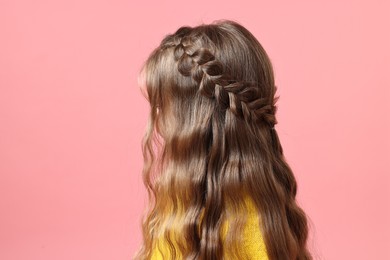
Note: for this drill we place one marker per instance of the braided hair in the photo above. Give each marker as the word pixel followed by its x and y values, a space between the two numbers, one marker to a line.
pixel 242 98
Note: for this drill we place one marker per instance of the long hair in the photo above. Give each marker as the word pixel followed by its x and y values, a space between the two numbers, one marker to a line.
pixel 210 140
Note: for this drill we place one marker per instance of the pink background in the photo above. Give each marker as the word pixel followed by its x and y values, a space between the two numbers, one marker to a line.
pixel 72 118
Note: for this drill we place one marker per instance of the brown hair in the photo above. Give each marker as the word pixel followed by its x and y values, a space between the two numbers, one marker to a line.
pixel 210 140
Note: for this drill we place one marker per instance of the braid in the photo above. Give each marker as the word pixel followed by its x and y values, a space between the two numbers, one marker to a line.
pixel 242 98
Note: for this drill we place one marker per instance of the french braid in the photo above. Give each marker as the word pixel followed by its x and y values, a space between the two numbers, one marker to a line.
pixel 241 97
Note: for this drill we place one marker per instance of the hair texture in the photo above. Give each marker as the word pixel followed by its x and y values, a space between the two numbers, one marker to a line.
pixel 210 139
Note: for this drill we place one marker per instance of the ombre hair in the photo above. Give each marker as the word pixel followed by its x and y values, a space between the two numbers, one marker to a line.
pixel 210 140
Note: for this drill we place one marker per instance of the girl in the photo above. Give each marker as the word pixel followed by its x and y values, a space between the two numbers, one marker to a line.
pixel 219 186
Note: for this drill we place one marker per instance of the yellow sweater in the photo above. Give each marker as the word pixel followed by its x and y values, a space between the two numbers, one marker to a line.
pixel 253 247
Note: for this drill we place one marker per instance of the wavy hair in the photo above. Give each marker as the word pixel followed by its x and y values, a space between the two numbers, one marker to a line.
pixel 210 140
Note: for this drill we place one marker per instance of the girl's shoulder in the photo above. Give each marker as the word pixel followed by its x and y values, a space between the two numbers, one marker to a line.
pixel 253 246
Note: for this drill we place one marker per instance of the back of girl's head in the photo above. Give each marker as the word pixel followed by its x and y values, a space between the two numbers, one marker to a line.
pixel 212 94
pixel 211 68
